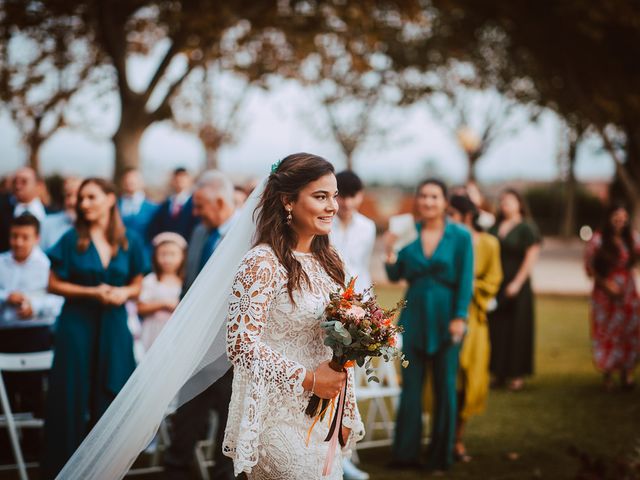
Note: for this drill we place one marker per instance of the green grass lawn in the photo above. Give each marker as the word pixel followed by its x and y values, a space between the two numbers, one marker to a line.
pixel 563 406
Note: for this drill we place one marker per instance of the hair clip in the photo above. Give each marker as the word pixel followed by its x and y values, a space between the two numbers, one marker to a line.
pixel 275 166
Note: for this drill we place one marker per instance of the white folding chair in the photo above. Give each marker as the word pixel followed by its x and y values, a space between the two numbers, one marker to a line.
pixel 205 449
pixel 20 362
pixel 381 400
pixel 158 446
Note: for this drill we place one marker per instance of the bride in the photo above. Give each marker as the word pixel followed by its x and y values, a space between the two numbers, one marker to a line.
pixel 268 283
pixel 274 339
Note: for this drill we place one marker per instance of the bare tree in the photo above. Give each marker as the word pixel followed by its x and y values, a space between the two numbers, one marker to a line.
pixel 211 110
pixel 39 79
pixel 476 116
pixel 350 94
pixel 254 38
pixel 571 135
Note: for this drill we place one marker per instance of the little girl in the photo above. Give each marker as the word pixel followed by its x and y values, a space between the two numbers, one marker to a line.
pixel 161 289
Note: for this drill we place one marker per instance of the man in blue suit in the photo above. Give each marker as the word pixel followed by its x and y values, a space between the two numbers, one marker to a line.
pixel 135 209
pixel 175 214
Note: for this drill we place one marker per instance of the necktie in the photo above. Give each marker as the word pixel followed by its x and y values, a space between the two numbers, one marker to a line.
pixel 175 208
pixel 209 246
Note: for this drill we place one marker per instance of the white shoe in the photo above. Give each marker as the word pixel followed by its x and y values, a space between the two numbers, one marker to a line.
pixel 351 472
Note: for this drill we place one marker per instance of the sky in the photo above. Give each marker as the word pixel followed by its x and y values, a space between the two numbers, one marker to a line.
pixel 279 121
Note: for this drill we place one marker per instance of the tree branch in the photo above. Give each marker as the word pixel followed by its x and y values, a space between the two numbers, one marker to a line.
pixel 621 170
pixel 159 112
pixel 114 47
pixel 175 47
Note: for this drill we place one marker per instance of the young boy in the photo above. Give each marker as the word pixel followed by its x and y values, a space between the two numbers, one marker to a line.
pixel 27 313
pixel 24 275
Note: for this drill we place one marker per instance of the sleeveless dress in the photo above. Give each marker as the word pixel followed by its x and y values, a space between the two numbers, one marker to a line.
pixel 271 343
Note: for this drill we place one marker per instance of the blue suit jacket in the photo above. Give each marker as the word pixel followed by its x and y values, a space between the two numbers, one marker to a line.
pixel 183 223
pixel 139 223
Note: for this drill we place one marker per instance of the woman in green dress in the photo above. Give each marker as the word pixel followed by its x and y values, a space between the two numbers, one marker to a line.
pixel 439 268
pixel 97 266
pixel 511 324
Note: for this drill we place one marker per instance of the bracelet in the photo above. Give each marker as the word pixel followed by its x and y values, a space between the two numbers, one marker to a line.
pixel 390 259
pixel 313 386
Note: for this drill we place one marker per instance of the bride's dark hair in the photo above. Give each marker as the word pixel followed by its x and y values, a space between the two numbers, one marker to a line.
pixel 284 184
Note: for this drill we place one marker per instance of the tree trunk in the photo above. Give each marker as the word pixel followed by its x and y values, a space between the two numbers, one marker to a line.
pixel 211 161
pixel 127 148
pixel 34 157
pixel 349 160
pixel 569 221
pixel 472 160
pixel 34 141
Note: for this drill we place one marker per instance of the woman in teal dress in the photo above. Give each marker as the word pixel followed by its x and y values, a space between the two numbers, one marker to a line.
pixel 97 266
pixel 511 323
pixel 439 268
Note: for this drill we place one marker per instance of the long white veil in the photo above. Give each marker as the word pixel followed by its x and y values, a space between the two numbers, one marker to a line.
pixel 188 356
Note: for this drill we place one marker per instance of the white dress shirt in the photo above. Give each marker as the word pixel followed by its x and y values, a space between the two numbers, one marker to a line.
pixel 30 278
pixel 34 207
pixel 131 204
pixel 354 243
pixel 178 200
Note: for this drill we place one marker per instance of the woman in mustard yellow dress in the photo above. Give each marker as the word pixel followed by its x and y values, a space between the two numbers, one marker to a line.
pixel 473 382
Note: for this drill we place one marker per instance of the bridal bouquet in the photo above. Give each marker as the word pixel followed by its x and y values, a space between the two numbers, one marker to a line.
pixel 358 329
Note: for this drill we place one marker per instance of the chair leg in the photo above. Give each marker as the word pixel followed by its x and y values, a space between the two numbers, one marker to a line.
pixel 13 433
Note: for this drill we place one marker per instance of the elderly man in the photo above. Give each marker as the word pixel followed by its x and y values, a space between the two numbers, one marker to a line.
pixel 213 203
pixel 24 199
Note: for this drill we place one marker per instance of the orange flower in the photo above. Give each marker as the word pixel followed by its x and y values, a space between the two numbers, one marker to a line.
pixel 349 364
pixel 345 304
pixel 349 292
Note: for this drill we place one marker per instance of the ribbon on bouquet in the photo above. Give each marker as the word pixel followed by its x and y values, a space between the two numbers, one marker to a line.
pixel 335 433
pixel 335 427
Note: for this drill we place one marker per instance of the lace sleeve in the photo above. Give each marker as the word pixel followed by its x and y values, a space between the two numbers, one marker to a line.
pixel 351 418
pixel 253 292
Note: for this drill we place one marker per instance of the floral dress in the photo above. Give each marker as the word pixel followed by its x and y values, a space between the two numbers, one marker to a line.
pixel 271 343
pixel 615 322
pixel 153 290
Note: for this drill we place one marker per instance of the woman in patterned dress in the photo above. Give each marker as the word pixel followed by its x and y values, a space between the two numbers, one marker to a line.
pixel 615 306
pixel 274 338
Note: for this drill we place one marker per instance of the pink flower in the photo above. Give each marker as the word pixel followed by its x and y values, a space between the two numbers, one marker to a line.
pixel 355 312
pixel 377 316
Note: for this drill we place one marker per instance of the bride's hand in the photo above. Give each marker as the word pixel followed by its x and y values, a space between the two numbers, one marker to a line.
pixel 328 381
pixel 345 433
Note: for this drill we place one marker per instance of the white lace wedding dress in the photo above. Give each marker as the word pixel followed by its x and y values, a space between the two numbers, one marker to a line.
pixel 271 343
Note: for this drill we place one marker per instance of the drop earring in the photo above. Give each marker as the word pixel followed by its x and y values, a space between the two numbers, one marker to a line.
pixel 289 217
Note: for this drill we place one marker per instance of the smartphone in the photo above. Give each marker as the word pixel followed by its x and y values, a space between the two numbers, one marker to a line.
pixel 404 227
